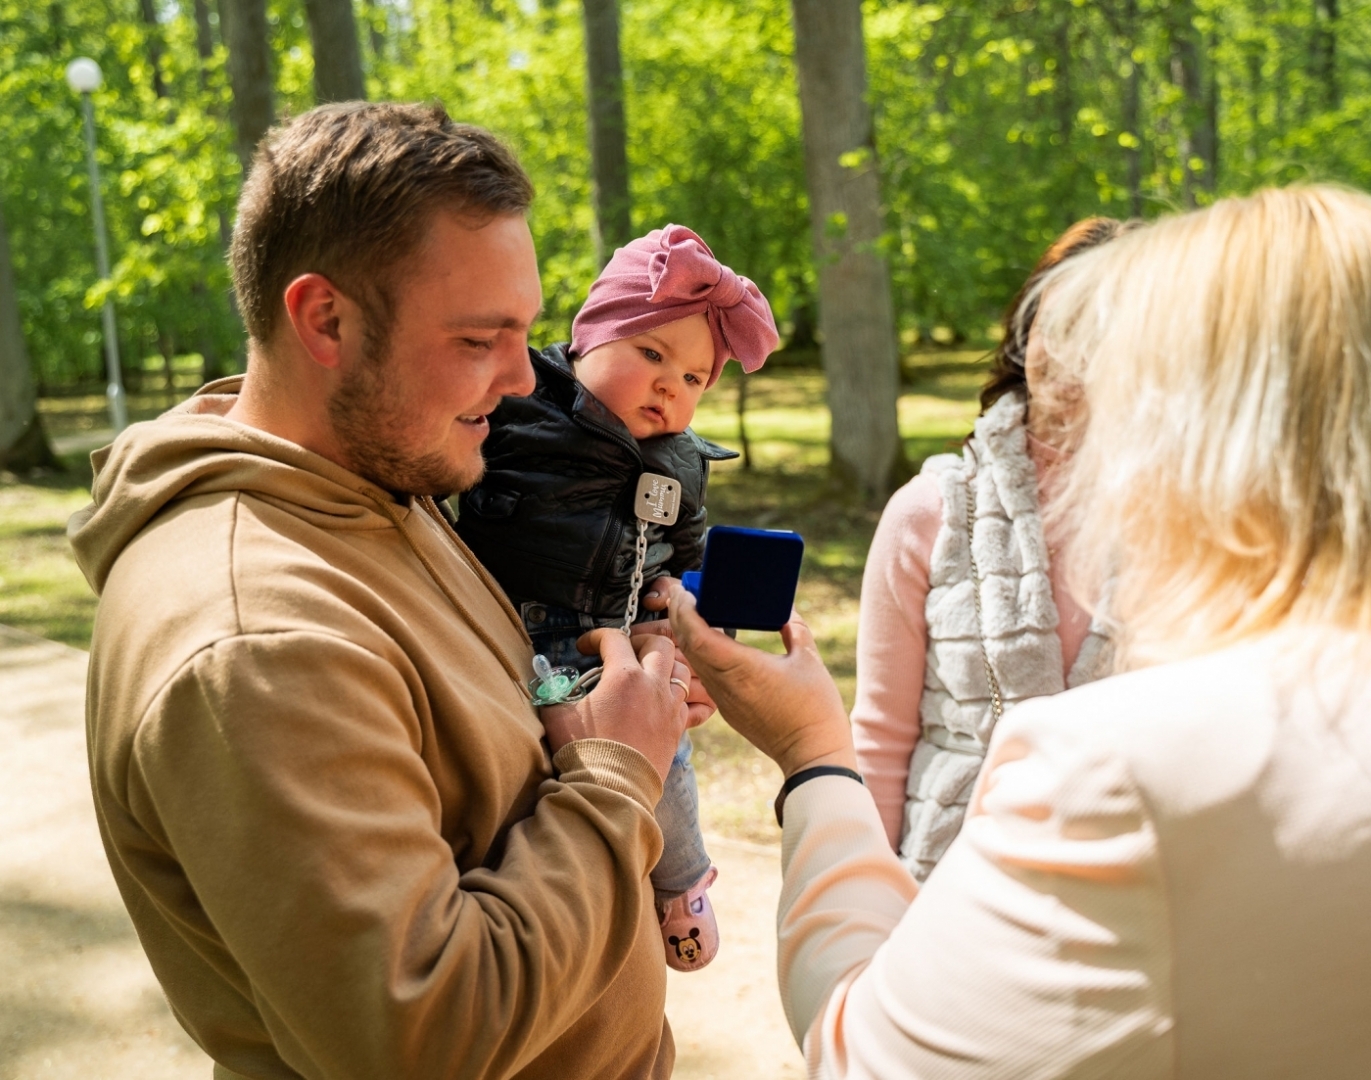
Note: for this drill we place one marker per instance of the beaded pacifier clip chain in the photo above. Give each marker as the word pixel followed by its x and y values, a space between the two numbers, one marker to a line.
pixel 658 500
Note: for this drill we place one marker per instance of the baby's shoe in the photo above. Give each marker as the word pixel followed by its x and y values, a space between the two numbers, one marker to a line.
pixel 689 931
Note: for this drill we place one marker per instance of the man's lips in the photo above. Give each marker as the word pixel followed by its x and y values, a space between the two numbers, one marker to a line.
pixel 476 420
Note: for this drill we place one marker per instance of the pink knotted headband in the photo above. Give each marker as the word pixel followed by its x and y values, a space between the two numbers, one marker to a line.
pixel 671 274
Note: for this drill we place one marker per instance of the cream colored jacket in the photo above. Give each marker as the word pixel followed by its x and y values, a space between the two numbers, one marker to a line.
pixel 1166 874
pixel 323 790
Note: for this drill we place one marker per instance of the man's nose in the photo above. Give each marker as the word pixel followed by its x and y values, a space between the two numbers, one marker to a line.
pixel 516 378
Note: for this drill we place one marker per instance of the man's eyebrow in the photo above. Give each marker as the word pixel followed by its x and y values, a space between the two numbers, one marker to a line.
pixel 482 321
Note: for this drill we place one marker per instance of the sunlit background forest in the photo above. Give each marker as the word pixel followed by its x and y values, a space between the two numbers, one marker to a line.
pixel 887 171
pixel 972 134
pixel 997 122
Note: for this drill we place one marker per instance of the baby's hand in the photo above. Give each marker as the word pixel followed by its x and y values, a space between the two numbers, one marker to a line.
pixel 655 599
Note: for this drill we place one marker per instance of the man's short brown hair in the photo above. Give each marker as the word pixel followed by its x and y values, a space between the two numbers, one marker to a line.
pixel 347 191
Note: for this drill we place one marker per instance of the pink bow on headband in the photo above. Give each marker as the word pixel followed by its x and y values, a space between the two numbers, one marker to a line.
pixel 671 274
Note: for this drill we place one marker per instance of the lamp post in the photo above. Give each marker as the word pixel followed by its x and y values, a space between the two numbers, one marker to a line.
pixel 83 76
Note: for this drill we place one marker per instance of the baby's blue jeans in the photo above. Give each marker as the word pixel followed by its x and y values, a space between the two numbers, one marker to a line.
pixel 684 861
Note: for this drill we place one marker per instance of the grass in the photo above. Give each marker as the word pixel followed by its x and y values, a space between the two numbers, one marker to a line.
pixel 43 592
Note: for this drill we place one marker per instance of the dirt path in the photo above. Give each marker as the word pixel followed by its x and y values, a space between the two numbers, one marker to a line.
pixel 78 1000
pixel 727 1018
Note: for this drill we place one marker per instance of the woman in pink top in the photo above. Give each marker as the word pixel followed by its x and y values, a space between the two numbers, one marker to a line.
pixel 937 664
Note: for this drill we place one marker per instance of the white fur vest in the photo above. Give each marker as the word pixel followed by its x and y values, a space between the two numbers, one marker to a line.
pixel 1018 625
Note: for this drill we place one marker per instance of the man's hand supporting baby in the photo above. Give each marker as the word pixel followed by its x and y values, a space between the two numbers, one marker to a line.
pixel 639 700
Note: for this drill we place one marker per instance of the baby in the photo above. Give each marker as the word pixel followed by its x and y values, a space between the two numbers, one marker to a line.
pixel 553 519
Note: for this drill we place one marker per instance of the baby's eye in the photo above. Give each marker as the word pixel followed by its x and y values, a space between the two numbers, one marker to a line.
pixel 694 380
pixel 653 355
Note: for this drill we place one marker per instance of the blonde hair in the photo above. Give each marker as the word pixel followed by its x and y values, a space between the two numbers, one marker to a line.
pixel 1221 485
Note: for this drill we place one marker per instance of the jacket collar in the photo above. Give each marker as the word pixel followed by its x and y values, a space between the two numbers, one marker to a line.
pixel 554 367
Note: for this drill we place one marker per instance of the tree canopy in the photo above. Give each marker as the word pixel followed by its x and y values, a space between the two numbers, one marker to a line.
pixel 996 124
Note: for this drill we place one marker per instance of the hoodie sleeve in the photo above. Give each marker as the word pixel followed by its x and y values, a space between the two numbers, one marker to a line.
pixel 282 773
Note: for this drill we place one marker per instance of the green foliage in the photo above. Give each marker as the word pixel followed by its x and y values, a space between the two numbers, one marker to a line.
pixel 997 124
pixel 1001 123
pixel 714 134
pixel 712 146
pixel 168 175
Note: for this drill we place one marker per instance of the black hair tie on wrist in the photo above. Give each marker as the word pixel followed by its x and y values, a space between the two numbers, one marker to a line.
pixel 804 775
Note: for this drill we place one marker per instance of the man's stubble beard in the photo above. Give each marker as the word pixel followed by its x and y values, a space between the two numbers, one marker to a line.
pixel 369 422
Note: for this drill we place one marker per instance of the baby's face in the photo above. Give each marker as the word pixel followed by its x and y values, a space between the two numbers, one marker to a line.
pixel 652 381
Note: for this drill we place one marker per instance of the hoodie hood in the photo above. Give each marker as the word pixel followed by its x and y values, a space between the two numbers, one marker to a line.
pixel 194 450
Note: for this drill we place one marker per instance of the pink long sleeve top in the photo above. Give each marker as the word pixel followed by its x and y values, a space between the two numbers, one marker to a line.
pixel 892 633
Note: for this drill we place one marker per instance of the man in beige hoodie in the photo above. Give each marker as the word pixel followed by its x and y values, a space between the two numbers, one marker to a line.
pixel 319 778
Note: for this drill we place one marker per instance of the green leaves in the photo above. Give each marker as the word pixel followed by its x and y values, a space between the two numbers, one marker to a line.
pixel 167 173
pixel 997 124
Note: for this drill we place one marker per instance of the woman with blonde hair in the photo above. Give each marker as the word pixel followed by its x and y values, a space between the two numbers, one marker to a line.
pixel 1165 873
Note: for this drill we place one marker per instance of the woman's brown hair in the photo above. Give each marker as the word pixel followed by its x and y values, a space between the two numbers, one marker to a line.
pixel 1006 365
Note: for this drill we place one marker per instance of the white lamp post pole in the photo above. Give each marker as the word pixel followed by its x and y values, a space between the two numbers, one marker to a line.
pixel 83 76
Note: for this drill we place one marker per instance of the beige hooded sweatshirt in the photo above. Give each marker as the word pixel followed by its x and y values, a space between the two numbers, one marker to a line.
pixel 322 788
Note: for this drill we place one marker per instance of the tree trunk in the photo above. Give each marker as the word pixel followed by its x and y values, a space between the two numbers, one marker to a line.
pixel 1197 137
pixel 243 25
pixel 1210 127
pixel 204 34
pixel 1065 103
pixel 743 440
pixel 1324 52
pixel 337 58
pixel 215 363
pixel 23 444
pixel 608 130
pixel 1065 98
pixel 1132 111
pixel 377 26
pixel 856 315
pixel 167 349
pixel 148 10
pixel 57 28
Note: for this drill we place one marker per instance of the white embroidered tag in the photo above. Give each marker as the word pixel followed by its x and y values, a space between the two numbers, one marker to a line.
pixel 658 500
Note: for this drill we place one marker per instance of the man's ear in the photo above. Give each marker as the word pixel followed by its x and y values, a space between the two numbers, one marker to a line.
pixel 317 309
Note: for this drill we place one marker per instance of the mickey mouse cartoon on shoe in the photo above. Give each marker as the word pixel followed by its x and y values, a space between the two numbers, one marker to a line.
pixel 687 948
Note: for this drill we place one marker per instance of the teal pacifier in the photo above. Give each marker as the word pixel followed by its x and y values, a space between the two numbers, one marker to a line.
pixel 555 686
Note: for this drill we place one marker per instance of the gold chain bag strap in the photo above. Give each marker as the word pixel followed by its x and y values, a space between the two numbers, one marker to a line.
pixel 996 700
